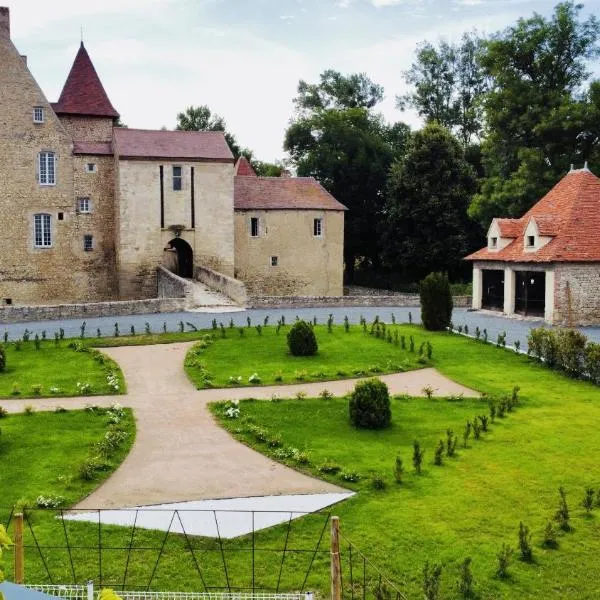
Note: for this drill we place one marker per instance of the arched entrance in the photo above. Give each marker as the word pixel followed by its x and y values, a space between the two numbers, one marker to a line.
pixel 185 257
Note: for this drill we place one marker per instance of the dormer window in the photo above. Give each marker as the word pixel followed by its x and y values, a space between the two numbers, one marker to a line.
pixel 493 242
pixel 38 114
pixel 530 241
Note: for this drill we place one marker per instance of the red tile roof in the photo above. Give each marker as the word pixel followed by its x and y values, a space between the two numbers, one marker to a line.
pixel 104 148
pixel 83 93
pixel 253 193
pixel 569 213
pixel 243 168
pixel 177 145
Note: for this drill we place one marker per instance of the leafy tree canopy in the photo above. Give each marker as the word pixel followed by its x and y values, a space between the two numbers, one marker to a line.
pixel 426 225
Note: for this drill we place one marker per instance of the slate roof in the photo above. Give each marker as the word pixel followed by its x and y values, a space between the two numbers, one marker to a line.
pixel 176 145
pixel 243 168
pixel 254 193
pixel 94 148
pixel 569 213
pixel 83 93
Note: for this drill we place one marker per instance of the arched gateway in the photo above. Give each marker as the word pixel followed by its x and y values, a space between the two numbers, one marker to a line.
pixel 185 257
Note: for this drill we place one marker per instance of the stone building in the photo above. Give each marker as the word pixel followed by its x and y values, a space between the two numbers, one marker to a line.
pixel 90 210
pixel 547 263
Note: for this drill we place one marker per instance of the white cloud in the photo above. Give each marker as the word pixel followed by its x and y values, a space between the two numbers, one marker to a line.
pixel 380 3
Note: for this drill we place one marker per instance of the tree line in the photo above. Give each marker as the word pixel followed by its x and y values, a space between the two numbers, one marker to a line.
pixel 505 116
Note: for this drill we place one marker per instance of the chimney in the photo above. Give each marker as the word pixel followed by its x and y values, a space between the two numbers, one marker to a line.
pixel 4 22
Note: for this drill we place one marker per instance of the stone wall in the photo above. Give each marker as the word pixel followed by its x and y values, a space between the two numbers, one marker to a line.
pixel 577 294
pixel 325 301
pixel 306 265
pixel 230 287
pixel 88 129
pixel 17 314
pixel 141 239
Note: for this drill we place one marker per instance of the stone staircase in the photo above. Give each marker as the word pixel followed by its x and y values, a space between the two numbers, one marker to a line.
pixel 203 298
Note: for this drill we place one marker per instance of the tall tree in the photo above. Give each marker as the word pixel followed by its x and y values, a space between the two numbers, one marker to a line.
pixel 201 118
pixel 539 119
pixel 448 85
pixel 426 227
pixel 336 138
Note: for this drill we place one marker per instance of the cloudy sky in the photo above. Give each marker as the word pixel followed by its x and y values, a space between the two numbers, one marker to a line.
pixel 243 59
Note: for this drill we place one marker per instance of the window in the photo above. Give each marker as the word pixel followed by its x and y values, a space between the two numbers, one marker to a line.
pixel 318 227
pixel 42 235
pixel 38 114
pixel 88 243
pixel 90 167
pixel 254 227
pixel 530 240
pixel 84 205
pixel 274 261
pixel 61 216
pixel 47 168
pixel 494 242
pixel 177 178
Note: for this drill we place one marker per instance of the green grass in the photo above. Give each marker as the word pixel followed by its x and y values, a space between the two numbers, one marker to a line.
pixel 474 502
pixel 341 355
pixel 40 454
pixel 58 367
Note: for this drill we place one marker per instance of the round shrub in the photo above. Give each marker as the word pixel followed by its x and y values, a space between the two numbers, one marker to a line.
pixel 2 359
pixel 301 339
pixel 370 405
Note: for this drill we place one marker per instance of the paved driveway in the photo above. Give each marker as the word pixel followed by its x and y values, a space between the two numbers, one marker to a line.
pixel 180 453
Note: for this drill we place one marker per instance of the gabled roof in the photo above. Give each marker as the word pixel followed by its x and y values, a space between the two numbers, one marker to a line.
pixel 509 228
pixel 243 168
pixel 175 145
pixel 569 213
pixel 83 93
pixel 295 193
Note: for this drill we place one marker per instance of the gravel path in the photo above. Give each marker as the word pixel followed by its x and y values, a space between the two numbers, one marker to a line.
pixel 180 453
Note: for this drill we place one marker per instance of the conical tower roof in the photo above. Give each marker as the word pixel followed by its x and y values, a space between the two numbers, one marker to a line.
pixel 83 93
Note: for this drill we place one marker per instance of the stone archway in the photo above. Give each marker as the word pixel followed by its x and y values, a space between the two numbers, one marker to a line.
pixel 185 257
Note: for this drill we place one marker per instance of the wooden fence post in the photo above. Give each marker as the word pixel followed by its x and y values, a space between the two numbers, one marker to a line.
pixel 336 570
pixel 19 549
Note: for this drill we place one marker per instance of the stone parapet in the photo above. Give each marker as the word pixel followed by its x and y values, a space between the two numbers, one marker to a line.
pixel 228 286
pixel 23 314
pixel 407 300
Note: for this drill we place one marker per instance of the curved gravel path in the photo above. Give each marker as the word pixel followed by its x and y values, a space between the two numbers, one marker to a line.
pixel 180 453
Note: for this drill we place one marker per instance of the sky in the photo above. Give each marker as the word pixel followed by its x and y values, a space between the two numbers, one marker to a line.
pixel 243 58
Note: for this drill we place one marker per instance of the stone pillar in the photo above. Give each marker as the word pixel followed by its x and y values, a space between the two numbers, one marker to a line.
pixel 477 287
pixel 509 291
pixel 549 301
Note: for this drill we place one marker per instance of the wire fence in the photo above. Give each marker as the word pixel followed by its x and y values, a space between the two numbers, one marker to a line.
pixel 290 560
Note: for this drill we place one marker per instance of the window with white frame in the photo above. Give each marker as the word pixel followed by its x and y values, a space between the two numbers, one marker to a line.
pixel 38 114
pixel 84 205
pixel 494 242
pixel 90 167
pixel 254 227
pixel 42 231
pixel 47 168
pixel 177 178
pixel 318 227
pixel 88 242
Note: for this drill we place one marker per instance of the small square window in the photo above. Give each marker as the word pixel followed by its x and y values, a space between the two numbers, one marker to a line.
pixel 84 205
pixel 254 227
pixel 90 167
pixel 38 114
pixel 88 243
pixel 318 227
pixel 494 242
pixel 8 301
pixel 530 240
pixel 274 261
pixel 177 176
pixel 61 216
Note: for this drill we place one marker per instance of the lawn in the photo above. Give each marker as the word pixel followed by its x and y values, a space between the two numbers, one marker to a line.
pixel 41 454
pixel 232 361
pixel 474 502
pixel 55 370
